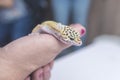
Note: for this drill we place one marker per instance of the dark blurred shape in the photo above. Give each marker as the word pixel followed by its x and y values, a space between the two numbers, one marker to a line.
pixel 19 18
pixel 38 9
pixel 15 21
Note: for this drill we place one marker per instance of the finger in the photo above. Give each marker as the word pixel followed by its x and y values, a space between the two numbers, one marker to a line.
pixel 37 75
pixel 41 77
pixel 51 64
pixel 46 72
pixel 79 28
pixel 28 78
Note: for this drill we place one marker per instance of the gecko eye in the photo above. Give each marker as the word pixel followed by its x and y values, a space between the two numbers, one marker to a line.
pixel 71 38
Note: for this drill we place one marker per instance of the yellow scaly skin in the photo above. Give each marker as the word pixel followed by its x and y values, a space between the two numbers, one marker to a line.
pixel 64 33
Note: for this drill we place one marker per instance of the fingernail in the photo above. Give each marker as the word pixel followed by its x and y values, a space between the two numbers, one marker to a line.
pixel 82 32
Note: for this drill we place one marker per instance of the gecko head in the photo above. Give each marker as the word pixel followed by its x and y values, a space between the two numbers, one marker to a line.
pixel 71 36
pixel 64 33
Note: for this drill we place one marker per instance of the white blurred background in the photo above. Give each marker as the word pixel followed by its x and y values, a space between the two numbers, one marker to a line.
pixel 98 61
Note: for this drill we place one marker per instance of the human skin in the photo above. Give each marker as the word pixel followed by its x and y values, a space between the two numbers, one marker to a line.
pixel 6 3
pixel 21 57
pixel 43 73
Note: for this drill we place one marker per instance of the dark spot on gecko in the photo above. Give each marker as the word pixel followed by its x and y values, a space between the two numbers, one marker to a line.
pixel 71 38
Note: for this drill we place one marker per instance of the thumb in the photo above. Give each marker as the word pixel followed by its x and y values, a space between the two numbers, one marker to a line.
pixel 36 48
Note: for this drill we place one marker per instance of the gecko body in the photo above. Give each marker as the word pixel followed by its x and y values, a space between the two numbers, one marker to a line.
pixel 65 34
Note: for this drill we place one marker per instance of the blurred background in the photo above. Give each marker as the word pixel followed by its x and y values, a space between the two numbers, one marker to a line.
pixel 19 17
pixel 99 56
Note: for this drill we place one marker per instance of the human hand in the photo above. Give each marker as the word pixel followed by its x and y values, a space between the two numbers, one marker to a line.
pixel 43 73
pixel 29 53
